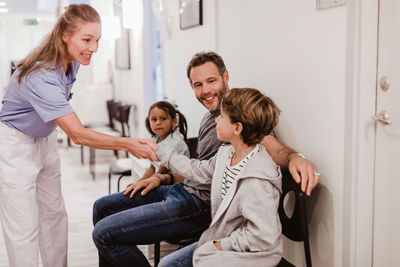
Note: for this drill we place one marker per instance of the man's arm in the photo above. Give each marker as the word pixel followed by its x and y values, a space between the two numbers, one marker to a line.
pixel 301 170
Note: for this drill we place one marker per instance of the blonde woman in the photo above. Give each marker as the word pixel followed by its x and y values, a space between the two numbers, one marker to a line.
pixel 32 208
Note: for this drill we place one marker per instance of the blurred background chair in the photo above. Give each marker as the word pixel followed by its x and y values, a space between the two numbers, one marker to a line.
pixel 123 167
pixel 120 118
pixel 108 128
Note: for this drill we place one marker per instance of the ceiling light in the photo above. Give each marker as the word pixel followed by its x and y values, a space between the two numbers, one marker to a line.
pixel 2 3
pixel 3 10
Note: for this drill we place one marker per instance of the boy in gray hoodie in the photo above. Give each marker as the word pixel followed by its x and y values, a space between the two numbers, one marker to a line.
pixel 245 188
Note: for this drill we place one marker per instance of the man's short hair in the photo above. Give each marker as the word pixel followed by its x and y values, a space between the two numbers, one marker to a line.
pixel 203 57
pixel 258 114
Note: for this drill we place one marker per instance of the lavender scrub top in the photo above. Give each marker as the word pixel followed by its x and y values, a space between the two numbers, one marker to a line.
pixel 42 96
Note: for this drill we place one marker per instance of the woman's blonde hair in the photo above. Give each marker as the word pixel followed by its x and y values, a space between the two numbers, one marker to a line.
pixel 52 48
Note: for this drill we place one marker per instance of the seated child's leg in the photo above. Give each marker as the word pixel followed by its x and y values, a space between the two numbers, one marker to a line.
pixel 182 257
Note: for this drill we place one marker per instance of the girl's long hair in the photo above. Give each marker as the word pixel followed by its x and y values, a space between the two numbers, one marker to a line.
pixel 50 51
pixel 173 113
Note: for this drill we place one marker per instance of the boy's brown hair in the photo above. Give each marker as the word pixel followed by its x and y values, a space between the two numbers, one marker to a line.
pixel 258 114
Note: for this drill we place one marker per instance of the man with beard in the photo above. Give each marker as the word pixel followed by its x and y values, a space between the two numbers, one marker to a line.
pixel 162 210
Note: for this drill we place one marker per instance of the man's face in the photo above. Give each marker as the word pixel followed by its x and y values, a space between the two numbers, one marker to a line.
pixel 208 85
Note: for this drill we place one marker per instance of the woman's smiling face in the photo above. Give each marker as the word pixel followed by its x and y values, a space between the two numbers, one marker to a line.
pixel 82 43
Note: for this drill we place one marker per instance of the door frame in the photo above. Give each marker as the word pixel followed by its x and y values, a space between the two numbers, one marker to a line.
pixel 359 158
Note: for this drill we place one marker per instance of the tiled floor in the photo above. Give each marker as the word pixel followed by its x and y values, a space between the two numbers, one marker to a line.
pixel 80 191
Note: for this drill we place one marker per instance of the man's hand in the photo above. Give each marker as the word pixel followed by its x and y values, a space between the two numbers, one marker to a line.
pixel 148 184
pixel 301 170
pixel 141 149
pixel 304 172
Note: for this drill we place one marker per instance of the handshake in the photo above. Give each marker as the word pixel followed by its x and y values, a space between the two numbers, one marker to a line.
pixel 143 148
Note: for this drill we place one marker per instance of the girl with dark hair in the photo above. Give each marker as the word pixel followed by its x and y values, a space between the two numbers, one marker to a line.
pixel 168 128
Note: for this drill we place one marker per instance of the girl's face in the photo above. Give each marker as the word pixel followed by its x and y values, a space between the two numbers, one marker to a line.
pixel 225 127
pixel 82 43
pixel 160 123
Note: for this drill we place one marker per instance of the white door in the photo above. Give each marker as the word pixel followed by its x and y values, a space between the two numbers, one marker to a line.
pixel 386 229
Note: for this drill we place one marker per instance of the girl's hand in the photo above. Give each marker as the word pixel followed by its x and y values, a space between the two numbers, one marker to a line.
pixel 148 185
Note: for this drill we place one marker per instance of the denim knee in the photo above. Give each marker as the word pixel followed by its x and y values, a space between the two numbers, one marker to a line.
pixel 98 208
pixel 99 235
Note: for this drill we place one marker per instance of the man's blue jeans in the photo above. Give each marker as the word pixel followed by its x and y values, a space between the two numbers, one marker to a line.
pixel 121 223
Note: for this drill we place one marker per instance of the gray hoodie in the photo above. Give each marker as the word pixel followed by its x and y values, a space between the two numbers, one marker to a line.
pixel 246 221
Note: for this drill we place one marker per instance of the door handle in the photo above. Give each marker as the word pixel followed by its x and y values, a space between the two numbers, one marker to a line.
pixel 385 83
pixel 383 117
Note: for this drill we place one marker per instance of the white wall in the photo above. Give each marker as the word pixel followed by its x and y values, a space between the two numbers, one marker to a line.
pixel 93 85
pixel 297 55
pixel 4 74
pixel 14 47
pixel 178 50
pixel 129 83
pixel 92 88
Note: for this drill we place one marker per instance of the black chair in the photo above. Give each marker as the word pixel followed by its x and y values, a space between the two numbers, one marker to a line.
pixel 120 166
pixel 295 228
pixel 188 238
pixel 108 128
pixel 120 113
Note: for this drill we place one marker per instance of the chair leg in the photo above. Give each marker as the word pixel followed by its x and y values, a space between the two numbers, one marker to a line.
pixel 109 182
pixel 119 180
pixel 307 253
pixel 82 161
pixel 156 253
pixel 92 160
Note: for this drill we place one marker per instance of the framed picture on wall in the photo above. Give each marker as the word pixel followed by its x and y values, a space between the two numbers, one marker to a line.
pixel 191 13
